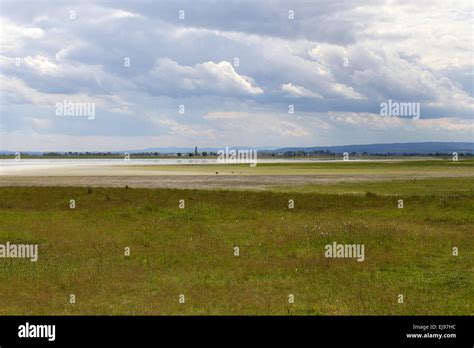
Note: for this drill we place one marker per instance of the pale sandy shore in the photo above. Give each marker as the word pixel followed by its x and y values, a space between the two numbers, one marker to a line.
pixel 203 181
pixel 140 167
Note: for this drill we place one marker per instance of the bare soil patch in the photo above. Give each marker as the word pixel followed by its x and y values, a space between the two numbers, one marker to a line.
pixel 204 181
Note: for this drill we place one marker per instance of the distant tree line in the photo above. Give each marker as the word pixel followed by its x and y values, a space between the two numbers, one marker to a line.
pixel 299 153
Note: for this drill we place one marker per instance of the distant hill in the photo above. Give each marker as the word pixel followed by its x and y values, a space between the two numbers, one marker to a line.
pixel 395 148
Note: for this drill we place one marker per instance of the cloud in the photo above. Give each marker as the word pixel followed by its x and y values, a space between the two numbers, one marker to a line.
pixel 289 129
pixel 118 14
pixel 395 124
pixel 167 76
pixel 226 115
pixel 57 76
pixel 298 91
pixel 334 61
pixel 14 36
pixel 180 129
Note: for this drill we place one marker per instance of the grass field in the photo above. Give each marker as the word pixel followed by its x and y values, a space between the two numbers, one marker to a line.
pixel 190 251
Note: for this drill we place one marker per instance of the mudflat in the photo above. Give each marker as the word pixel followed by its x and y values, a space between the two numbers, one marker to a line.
pixel 207 181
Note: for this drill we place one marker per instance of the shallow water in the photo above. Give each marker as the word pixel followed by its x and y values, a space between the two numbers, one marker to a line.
pixel 157 161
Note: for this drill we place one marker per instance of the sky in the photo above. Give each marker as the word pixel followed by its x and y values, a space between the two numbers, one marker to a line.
pixel 150 74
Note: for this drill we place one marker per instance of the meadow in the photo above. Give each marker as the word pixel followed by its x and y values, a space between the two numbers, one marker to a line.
pixel 191 251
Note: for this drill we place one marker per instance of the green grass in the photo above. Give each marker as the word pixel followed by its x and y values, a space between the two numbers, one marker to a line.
pixel 190 251
pixel 423 187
